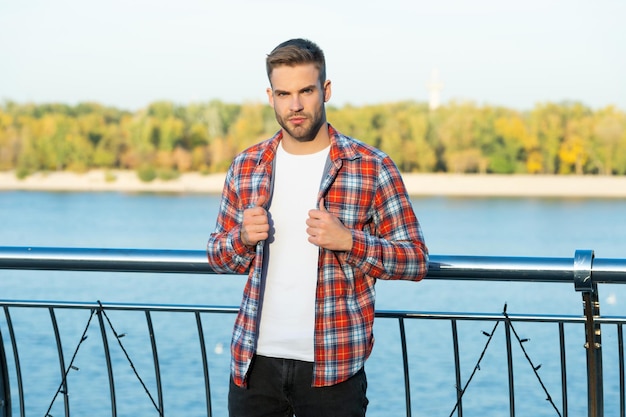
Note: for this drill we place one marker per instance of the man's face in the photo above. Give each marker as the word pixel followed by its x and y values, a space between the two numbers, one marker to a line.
pixel 298 100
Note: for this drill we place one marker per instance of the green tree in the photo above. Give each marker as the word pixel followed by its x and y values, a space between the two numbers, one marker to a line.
pixel 404 138
pixel 9 142
pixel 513 143
pixel 547 125
pixel 609 136
pixel 459 148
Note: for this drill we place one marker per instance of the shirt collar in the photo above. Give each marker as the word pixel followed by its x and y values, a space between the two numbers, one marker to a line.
pixel 341 147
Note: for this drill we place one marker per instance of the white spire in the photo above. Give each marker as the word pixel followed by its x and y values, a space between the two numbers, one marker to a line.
pixel 434 87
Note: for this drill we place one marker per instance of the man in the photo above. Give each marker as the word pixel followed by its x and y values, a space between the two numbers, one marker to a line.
pixel 316 218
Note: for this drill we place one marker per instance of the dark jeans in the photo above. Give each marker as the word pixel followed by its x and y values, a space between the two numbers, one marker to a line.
pixel 282 388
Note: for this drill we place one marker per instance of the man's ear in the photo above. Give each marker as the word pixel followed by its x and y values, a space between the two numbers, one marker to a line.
pixel 270 96
pixel 327 91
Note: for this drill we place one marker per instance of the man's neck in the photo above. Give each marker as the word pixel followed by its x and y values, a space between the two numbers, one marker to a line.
pixel 296 147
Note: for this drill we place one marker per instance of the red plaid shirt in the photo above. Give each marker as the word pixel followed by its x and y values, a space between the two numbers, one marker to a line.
pixel 364 189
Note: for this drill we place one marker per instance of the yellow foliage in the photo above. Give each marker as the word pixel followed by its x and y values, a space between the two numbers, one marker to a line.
pixel 534 162
pixel 572 155
pixel 200 158
pixel 513 128
pixel 6 120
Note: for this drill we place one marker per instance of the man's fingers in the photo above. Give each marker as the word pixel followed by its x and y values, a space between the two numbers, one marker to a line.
pixel 317 213
pixel 322 206
pixel 255 224
pixel 262 199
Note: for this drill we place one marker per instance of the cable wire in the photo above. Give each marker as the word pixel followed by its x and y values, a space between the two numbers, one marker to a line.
pixel 521 343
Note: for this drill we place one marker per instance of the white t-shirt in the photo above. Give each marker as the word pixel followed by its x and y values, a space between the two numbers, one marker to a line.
pixel 288 309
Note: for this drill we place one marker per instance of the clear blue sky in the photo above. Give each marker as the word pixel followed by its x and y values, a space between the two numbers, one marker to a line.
pixel 128 53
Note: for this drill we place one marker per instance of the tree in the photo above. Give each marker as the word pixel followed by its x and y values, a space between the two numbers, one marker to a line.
pixel 514 144
pixel 574 150
pixel 248 128
pixel 609 132
pixel 9 143
pixel 546 124
pixel 454 129
pixel 404 137
pixel 164 138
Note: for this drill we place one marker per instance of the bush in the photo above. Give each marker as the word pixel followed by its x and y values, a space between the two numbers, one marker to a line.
pixel 22 172
pixel 110 176
pixel 168 174
pixel 147 173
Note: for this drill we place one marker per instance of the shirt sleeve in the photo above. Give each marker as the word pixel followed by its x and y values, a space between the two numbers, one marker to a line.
pixel 226 252
pixel 395 247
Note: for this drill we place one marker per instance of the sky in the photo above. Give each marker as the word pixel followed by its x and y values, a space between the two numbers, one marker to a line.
pixel 129 53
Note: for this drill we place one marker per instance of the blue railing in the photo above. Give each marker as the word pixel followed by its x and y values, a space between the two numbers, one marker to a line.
pixel 583 271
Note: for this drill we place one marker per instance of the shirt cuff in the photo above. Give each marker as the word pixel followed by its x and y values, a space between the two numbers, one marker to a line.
pixel 359 247
pixel 239 247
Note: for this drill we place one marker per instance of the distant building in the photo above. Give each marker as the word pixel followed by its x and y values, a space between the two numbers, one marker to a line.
pixel 434 87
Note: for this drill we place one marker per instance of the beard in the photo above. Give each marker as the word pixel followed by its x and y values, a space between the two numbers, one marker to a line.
pixel 306 131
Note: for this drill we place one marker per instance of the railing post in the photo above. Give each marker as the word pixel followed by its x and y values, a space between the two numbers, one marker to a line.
pixel 5 391
pixel 583 261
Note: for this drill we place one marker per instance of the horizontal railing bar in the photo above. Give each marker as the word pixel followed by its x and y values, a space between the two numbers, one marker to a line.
pixel 105 260
pixel 523 269
pixel 547 318
pixel 394 314
pixel 490 268
pixel 120 306
pixel 609 271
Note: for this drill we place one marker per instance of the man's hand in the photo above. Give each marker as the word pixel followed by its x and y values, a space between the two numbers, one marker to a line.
pixel 327 231
pixel 255 226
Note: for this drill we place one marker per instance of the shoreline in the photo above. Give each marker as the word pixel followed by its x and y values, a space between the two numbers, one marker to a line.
pixel 445 185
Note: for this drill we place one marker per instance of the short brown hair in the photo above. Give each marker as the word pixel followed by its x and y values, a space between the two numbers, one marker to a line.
pixel 296 52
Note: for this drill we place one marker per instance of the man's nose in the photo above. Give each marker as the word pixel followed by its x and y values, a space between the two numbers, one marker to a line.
pixel 296 103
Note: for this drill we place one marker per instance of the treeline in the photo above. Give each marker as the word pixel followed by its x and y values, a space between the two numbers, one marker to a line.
pixel 166 139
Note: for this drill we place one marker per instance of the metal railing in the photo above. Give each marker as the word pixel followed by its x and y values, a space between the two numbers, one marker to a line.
pixel 583 271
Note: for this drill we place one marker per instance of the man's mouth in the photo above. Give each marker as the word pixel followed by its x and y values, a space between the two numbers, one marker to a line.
pixel 298 120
